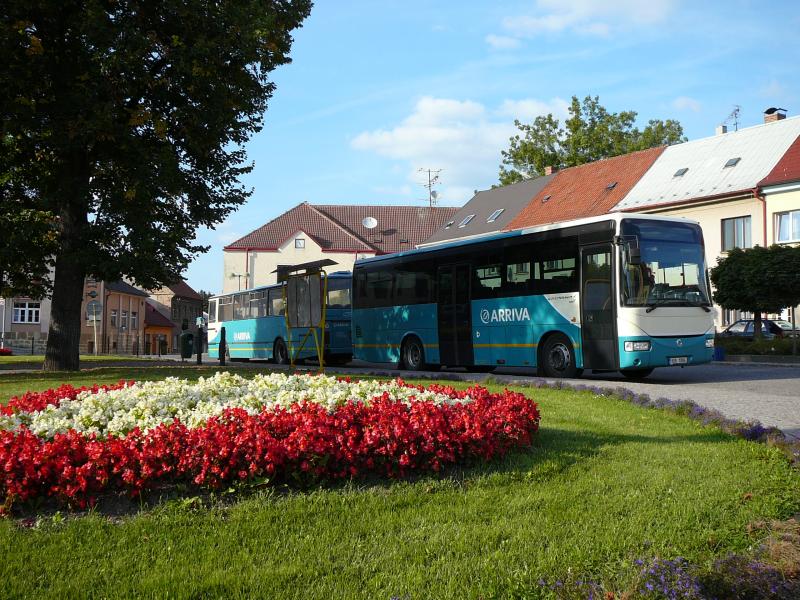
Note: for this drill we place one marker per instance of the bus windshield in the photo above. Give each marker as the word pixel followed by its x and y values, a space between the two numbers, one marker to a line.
pixel 673 267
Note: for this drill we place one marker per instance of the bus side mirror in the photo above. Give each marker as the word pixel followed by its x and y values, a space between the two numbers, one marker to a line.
pixel 634 256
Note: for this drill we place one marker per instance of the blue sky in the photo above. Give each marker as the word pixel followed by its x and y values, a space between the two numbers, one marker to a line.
pixel 379 89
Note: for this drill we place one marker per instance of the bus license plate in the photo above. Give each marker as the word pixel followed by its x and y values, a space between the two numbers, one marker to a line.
pixel 679 360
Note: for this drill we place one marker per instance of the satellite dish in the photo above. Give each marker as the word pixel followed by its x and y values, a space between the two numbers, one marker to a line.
pixel 370 222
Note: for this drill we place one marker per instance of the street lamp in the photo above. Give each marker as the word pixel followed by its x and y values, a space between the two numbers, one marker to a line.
pixel 93 311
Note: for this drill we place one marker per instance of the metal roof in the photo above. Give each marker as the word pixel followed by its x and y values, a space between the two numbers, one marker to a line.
pixel 511 198
pixel 759 148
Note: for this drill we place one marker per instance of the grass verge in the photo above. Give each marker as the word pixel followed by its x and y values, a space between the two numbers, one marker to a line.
pixel 605 484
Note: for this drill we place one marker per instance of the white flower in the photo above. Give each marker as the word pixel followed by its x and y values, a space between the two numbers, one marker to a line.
pixel 150 403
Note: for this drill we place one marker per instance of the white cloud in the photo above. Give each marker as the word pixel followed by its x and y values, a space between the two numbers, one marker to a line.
pixel 686 103
pixel 529 109
pixel 502 42
pixel 592 17
pixel 461 137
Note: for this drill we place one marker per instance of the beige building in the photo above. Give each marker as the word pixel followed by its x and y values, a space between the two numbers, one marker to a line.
pixel 113 318
pixel 342 233
pixel 743 188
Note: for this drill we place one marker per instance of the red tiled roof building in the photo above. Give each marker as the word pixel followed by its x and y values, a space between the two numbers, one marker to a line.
pixel 310 232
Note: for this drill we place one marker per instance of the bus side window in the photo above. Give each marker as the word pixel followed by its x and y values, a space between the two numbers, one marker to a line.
pixel 379 288
pixel 558 275
pixel 226 308
pixel 360 289
pixel 339 293
pixel 487 281
pixel 518 279
pixel 212 311
pixel 276 304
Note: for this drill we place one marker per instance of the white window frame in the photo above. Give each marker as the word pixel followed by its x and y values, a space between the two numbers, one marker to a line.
pixel 747 231
pixel 494 216
pixel 299 243
pixel 466 221
pixel 26 312
pixel 792 214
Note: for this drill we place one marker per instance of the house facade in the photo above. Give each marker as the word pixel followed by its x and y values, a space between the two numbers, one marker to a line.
pixel 181 305
pixel 309 232
pixel 112 318
pixel 742 187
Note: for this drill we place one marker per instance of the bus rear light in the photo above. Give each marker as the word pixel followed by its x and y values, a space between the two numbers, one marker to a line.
pixel 637 346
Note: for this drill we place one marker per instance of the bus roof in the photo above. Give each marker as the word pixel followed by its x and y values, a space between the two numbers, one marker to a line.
pixel 477 239
pixel 334 275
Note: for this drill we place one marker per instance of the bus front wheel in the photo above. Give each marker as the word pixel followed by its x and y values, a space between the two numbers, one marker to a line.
pixel 412 355
pixel 279 353
pixel 558 357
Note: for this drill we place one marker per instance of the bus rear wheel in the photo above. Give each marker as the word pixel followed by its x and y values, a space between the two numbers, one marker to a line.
pixel 279 353
pixel 412 355
pixel 558 357
pixel 635 374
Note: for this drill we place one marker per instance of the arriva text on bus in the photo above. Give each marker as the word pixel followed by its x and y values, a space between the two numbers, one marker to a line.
pixel 505 315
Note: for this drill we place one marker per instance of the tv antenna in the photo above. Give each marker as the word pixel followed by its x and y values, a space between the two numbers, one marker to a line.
pixel 433 179
pixel 734 116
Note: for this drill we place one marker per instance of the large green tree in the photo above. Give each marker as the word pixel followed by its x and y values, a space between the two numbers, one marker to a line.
pixel 125 123
pixel 590 133
pixel 758 280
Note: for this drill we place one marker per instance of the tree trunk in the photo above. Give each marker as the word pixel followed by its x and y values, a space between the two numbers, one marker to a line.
pixel 757 334
pixel 63 340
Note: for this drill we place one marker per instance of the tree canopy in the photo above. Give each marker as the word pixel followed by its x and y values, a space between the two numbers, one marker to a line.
pixel 589 134
pixel 125 123
pixel 758 280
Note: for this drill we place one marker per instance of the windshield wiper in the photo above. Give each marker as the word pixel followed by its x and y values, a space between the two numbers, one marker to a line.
pixel 651 306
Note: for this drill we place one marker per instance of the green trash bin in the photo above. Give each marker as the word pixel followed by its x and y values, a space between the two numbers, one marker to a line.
pixel 187 344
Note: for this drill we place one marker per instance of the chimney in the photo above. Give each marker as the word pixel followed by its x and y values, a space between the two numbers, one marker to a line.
pixel 550 170
pixel 774 114
pixel 721 129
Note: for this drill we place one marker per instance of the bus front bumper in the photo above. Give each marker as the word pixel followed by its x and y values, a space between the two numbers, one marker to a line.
pixel 665 351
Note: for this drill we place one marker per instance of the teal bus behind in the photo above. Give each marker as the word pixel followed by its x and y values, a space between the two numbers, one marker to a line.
pixel 255 324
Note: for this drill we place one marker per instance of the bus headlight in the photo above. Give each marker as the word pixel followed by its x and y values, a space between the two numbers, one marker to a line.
pixel 637 346
pixel 710 343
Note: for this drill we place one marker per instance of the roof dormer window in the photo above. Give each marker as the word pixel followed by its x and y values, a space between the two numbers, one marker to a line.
pixel 466 221
pixel 611 186
pixel 681 172
pixel 732 162
pixel 493 217
pixel 546 198
pixel 449 224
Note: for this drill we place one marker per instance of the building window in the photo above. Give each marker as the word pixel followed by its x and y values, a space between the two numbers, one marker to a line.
pixel 134 320
pixel 787 226
pixel 26 312
pixel 466 221
pixel 681 172
pixel 124 320
pixel 736 233
pixel 299 243
pixel 113 317
pixel 493 217
pixel 732 162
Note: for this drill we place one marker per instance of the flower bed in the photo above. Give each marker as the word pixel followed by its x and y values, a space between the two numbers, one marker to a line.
pixel 75 444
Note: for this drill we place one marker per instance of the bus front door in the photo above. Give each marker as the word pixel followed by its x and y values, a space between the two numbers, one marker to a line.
pixel 597 308
pixel 455 319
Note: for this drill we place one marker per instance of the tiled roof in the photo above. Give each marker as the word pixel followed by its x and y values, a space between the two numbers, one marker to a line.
pixel 787 169
pixel 586 190
pixel 339 227
pixel 510 198
pixel 184 290
pixel 399 227
pixel 759 149
pixel 123 287
pixel 154 318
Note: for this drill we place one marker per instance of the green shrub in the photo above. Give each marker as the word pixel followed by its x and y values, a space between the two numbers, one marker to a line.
pixel 775 347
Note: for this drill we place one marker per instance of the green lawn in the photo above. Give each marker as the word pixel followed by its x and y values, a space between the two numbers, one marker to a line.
pixel 605 484
pixel 39 359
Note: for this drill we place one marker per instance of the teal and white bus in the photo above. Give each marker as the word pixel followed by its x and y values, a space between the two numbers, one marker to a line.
pixel 620 292
pixel 255 324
